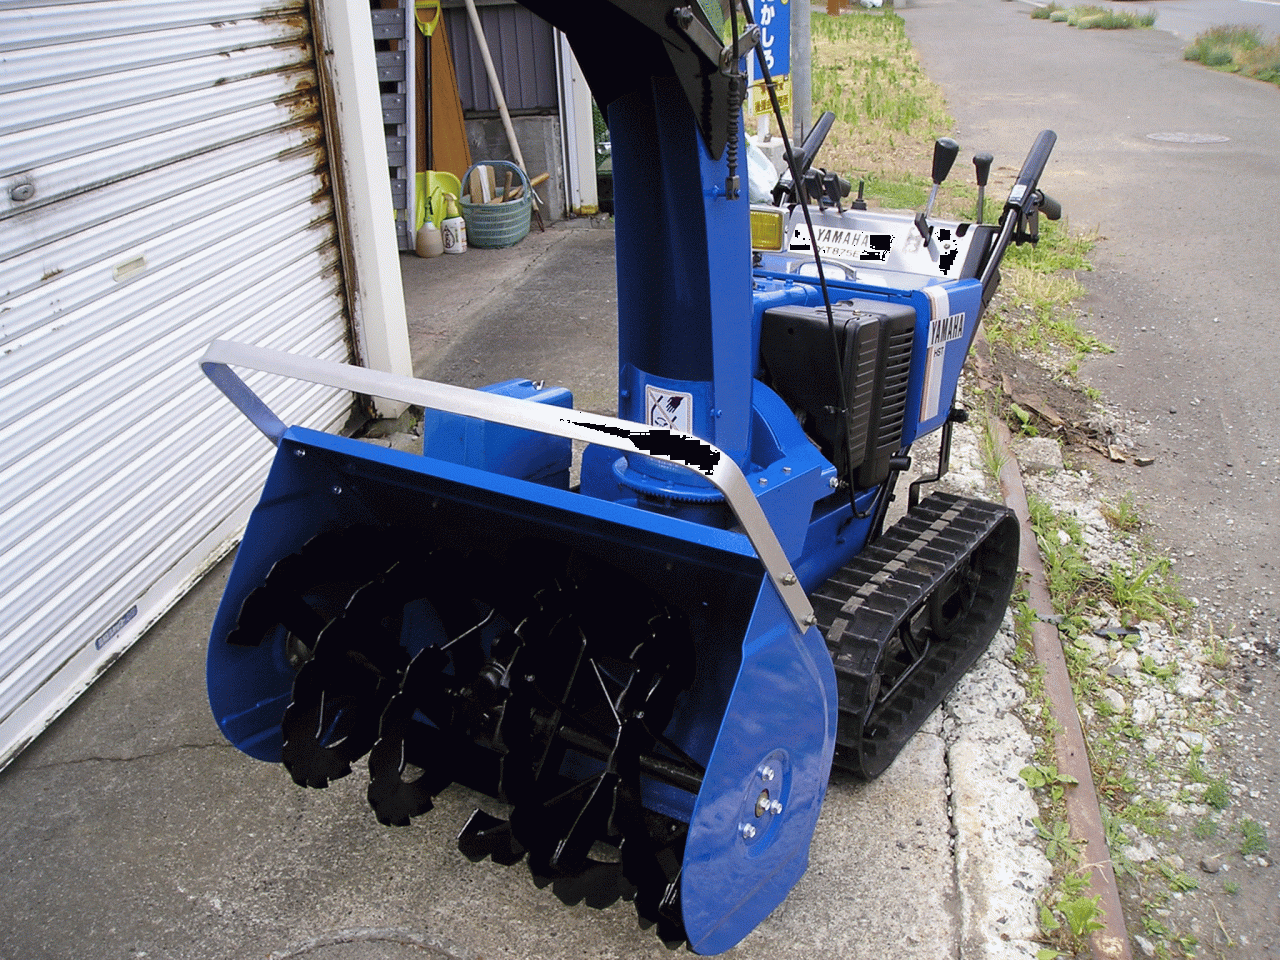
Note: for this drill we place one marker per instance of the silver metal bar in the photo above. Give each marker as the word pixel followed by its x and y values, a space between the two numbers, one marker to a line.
pixel 701 457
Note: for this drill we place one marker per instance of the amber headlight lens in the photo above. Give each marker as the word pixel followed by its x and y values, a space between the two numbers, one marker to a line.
pixel 766 228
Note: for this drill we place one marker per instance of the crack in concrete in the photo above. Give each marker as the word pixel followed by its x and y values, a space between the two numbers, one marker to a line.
pixel 76 761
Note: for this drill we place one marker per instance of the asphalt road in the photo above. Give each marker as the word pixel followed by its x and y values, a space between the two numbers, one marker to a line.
pixel 1185 288
pixel 1186 18
pixel 1186 280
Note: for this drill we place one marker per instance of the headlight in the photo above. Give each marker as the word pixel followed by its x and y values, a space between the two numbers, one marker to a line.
pixel 767 228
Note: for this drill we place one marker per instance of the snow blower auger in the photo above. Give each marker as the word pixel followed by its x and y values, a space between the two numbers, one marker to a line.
pixel 668 657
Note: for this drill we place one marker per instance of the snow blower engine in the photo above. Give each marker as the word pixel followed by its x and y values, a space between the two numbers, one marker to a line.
pixel 664 656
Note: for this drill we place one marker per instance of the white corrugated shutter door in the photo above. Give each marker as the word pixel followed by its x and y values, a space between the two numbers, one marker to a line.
pixel 163 183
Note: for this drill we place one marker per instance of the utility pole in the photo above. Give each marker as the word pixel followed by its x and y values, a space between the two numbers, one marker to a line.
pixel 801 75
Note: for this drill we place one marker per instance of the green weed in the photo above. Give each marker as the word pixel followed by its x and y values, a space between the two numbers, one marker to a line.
pixel 1093 17
pixel 1237 49
pixel 1122 515
pixel 1147 591
pixel 1039 776
pixel 1217 795
pixel 1205 828
pixel 1254 842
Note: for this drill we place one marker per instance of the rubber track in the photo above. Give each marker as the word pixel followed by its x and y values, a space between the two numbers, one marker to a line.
pixel 861 608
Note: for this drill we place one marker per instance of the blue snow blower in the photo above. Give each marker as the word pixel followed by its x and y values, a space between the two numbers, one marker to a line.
pixel 668 656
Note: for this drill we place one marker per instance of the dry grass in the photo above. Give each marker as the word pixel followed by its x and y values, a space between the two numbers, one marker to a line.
pixel 888 112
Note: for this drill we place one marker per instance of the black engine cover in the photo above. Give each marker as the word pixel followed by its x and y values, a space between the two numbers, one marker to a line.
pixel 874 340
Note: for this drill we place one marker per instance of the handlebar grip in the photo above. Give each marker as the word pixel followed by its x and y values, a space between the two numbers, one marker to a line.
pixel 1050 207
pixel 1032 167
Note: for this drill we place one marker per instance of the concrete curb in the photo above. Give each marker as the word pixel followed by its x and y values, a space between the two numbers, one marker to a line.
pixel 1084 814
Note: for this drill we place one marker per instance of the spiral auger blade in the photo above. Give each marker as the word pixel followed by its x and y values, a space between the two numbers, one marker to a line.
pixel 405 747
pixel 361 659
pixel 591 693
pixel 305 591
pixel 442 712
pixel 340 693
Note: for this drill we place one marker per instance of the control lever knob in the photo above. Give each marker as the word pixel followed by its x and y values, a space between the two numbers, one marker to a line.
pixel 812 184
pixel 982 164
pixel 944 155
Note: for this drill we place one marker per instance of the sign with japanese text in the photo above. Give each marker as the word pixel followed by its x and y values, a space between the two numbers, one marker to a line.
pixel 774 19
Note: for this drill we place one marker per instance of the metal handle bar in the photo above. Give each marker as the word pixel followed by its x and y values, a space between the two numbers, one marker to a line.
pixel 1022 202
pixel 683 450
pixel 1020 197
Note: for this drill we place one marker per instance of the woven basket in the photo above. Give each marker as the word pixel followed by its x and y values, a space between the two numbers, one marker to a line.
pixel 494 225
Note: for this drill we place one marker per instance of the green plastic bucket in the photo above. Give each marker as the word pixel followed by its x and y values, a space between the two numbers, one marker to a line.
pixel 493 225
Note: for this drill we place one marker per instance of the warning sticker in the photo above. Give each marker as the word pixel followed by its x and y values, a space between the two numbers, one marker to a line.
pixel 668 409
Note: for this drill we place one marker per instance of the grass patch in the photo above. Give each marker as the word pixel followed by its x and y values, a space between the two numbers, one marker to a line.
pixel 1093 17
pixel 1122 515
pixel 888 111
pixel 1218 794
pixel 1146 591
pixel 1237 49
pixel 1254 838
pixel 1039 284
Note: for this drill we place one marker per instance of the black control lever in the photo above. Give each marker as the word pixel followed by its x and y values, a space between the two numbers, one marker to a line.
pixel 835 187
pixel 858 203
pixel 982 166
pixel 811 188
pixel 802 158
pixel 945 151
pixel 1050 207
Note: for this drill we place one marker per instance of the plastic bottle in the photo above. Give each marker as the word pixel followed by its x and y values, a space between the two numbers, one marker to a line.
pixel 453 230
pixel 429 241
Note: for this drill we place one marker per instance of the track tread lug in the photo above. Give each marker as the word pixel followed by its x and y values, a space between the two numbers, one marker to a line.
pixel 861 607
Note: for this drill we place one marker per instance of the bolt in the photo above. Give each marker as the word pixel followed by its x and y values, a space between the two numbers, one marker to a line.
pixel 762 481
pixel 22 191
pixel 833 482
pixel 775 808
pixel 299 452
pixel 789 579
pixel 748 832
pixel 337 489
pixel 766 773
pixel 762 803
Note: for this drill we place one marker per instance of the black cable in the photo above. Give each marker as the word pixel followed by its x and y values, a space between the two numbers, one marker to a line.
pixel 770 86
